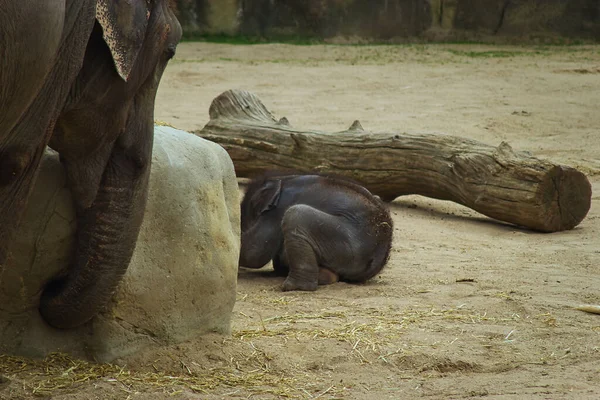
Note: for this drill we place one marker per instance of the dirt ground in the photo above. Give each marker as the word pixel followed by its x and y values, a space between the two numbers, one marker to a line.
pixel 466 308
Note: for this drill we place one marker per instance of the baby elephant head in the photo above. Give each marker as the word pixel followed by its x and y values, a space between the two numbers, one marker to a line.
pixel 261 197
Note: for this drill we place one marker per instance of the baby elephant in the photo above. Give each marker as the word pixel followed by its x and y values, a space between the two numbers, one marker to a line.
pixel 316 229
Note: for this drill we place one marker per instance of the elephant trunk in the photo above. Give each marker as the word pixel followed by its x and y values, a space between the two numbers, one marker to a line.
pixel 106 237
pixel 260 244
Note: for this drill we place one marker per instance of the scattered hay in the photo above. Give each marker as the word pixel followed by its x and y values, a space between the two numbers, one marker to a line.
pixel 592 309
pixel 368 337
pixel 163 123
pixel 548 319
pixel 583 71
pixel 59 372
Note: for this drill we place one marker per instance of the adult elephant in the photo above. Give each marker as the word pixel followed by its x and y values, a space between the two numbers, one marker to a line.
pixel 81 76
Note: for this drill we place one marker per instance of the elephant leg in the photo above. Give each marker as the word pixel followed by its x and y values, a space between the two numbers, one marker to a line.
pixel 18 168
pixel 107 230
pixel 308 234
pixel 26 58
pixel 40 58
pixel 282 268
pixel 280 263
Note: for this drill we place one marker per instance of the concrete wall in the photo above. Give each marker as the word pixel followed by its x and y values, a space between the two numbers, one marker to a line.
pixel 389 19
pixel 208 16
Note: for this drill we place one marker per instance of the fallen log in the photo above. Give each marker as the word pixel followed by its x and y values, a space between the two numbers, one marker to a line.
pixel 498 182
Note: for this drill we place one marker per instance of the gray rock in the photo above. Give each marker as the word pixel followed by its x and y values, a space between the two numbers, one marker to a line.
pixel 476 15
pixel 213 17
pixel 576 18
pixel 182 278
pixel 377 19
pixel 497 20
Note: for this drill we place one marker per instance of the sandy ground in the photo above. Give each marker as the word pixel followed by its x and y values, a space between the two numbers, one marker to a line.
pixel 467 307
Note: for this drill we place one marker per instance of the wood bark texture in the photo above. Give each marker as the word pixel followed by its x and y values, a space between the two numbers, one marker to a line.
pixel 496 181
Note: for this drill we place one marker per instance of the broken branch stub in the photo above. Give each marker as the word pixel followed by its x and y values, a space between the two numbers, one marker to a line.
pixel 496 181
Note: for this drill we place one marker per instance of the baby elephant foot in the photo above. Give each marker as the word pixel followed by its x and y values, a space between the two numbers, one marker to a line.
pixel 327 276
pixel 293 284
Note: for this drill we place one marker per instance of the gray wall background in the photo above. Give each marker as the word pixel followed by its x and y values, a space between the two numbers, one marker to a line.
pixel 394 19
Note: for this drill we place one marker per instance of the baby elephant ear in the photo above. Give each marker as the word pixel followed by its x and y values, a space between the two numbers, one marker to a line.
pixel 269 195
pixel 124 23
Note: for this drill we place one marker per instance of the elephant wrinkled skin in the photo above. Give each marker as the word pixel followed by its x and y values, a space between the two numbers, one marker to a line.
pixel 81 76
pixel 316 229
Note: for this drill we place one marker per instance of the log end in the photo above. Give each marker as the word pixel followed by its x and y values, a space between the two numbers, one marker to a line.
pixel 567 193
pixel 240 105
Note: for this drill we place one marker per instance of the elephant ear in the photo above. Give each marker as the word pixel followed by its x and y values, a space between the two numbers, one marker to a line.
pixel 124 23
pixel 268 196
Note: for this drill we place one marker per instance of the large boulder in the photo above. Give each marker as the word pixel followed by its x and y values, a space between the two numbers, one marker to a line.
pixel 182 278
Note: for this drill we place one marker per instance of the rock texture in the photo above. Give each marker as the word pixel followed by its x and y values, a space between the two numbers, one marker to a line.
pixel 390 19
pixel 326 18
pixel 208 16
pixel 181 281
pixel 520 18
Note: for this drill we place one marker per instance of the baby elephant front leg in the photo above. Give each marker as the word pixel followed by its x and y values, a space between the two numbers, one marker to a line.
pixel 303 227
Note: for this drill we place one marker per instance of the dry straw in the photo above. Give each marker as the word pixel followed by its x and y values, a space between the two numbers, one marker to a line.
pixel 371 337
pixel 59 372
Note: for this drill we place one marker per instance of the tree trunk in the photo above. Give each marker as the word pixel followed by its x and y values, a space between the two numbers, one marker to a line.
pixel 496 181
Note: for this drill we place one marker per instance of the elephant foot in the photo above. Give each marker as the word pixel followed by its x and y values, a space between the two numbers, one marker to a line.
pixel 292 284
pixel 281 272
pixel 280 267
pixel 327 276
